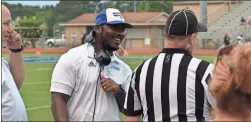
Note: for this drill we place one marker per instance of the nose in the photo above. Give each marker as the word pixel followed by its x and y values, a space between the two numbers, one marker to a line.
pixel 10 30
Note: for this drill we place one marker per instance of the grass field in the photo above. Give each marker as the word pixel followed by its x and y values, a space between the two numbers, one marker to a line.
pixel 35 90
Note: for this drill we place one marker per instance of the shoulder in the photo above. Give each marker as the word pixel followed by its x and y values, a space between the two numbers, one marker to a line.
pixel 122 64
pixel 146 62
pixel 74 56
pixel 4 62
pixel 203 62
pixel 203 65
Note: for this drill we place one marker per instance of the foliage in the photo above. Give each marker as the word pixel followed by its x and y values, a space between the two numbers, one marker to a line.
pixel 66 10
pixel 156 6
pixel 29 27
pixel 49 18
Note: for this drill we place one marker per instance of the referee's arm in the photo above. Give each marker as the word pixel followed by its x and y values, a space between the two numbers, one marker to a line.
pixel 205 80
pixel 132 107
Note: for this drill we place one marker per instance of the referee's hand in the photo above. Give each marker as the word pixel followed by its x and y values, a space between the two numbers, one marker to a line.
pixel 109 85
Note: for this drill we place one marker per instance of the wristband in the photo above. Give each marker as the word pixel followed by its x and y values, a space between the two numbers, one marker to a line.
pixel 17 50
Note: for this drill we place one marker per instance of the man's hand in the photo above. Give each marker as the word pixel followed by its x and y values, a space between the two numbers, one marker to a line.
pixel 109 85
pixel 14 40
pixel 15 60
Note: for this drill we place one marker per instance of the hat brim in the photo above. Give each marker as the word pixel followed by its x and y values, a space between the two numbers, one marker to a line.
pixel 126 25
pixel 202 27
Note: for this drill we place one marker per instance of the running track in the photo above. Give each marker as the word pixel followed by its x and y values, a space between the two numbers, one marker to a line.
pixel 134 51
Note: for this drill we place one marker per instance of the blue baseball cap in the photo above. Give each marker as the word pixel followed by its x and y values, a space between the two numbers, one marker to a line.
pixel 111 16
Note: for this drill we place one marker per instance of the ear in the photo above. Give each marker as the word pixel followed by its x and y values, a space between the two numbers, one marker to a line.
pixel 97 29
pixel 193 38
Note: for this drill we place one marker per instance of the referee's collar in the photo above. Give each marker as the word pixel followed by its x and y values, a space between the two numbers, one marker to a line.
pixel 175 50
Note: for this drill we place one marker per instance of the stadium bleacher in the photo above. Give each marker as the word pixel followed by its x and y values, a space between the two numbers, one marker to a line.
pixel 229 23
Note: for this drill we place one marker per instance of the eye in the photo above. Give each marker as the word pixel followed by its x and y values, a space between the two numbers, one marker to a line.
pixel 6 24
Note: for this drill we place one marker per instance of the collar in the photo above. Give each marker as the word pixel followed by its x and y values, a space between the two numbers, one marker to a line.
pixel 175 50
pixel 91 52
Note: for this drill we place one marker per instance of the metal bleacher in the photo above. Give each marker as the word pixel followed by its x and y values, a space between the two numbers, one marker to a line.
pixel 230 23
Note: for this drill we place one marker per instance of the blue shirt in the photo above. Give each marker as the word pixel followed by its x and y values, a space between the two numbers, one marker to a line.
pixel 13 108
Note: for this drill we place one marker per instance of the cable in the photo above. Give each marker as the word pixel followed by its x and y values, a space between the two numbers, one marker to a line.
pixel 95 100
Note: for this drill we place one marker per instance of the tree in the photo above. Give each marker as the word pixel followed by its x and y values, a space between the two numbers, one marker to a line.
pixel 50 19
pixel 156 6
pixel 22 10
pixel 29 27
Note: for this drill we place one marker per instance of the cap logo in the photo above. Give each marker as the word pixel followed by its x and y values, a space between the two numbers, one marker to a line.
pixel 117 14
pixel 114 15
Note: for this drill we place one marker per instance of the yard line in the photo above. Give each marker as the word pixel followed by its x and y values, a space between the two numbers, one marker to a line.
pixel 35 108
pixel 37 83
pixel 45 69
pixel 40 69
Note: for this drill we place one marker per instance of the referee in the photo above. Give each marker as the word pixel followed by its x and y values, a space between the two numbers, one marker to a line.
pixel 173 85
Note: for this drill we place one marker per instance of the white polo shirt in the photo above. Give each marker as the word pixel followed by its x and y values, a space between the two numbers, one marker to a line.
pixel 76 75
pixel 13 108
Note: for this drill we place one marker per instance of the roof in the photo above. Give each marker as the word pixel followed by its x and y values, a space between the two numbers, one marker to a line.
pixel 130 17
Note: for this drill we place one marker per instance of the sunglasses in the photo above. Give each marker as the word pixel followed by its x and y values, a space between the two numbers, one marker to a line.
pixel 222 55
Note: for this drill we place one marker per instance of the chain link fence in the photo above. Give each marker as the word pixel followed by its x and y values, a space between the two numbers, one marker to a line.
pixel 36 37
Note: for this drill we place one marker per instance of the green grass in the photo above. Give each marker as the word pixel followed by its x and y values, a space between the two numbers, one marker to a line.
pixel 37 95
pixel 207 58
pixel 33 55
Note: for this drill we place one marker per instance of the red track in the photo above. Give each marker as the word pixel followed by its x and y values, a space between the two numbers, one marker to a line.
pixel 135 51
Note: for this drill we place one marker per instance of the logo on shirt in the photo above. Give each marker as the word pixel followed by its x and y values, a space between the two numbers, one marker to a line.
pixel 167 60
pixel 116 68
pixel 91 64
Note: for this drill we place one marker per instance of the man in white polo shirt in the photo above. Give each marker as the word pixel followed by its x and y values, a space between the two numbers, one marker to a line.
pixel 87 78
pixel 13 108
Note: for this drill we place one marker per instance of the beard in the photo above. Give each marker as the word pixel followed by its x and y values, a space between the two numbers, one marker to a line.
pixel 107 45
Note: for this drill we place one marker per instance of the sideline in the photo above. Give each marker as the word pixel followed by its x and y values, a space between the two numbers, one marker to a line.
pixel 35 108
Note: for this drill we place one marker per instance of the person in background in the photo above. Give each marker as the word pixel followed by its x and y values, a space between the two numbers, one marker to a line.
pixel 73 39
pixel 241 40
pixel 226 40
pixel 249 20
pixel 83 38
pixel 243 21
pixel 231 84
pixel 13 72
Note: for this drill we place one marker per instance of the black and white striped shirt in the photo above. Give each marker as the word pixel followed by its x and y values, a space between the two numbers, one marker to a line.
pixel 170 87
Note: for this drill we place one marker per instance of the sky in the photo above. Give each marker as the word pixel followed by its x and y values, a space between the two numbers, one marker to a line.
pixel 34 3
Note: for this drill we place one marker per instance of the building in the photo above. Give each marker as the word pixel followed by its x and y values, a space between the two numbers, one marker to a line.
pixel 147 32
pixel 215 9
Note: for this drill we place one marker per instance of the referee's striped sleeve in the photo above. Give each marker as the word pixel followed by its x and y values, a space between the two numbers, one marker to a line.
pixel 132 105
pixel 205 79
